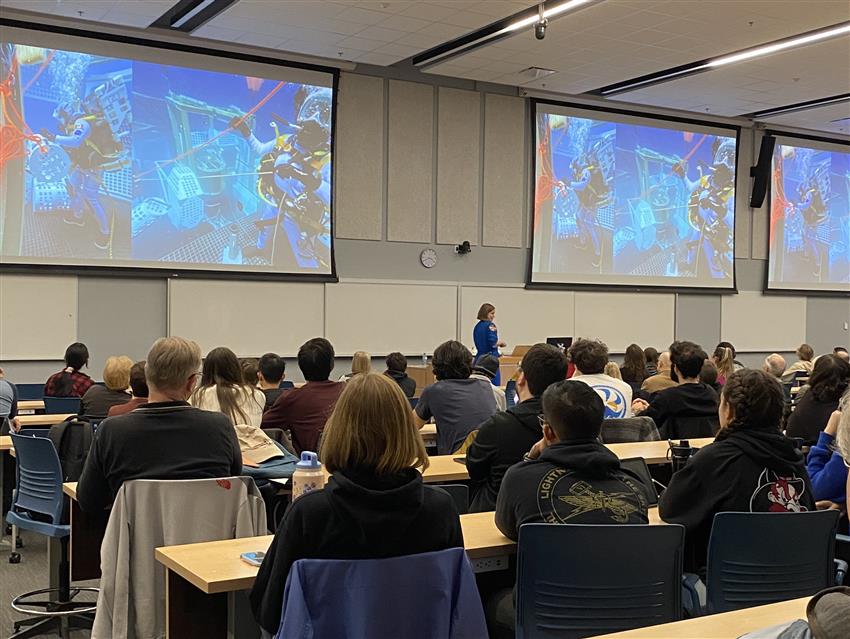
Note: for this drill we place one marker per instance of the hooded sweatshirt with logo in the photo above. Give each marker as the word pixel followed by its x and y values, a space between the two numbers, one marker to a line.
pixel 742 471
pixel 572 482
pixel 358 515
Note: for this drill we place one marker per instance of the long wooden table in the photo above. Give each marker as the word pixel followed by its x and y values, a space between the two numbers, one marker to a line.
pixel 43 420
pixel 727 625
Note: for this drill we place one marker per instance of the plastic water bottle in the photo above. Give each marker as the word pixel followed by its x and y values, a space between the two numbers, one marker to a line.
pixel 308 475
pixel 424 359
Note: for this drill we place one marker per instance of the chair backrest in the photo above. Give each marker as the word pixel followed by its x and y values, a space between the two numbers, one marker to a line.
pixel 413 401
pixel 39 477
pixel 61 405
pixel 761 558
pixel 510 393
pixel 638 467
pixel 578 580
pixel 629 429
pixel 460 494
pixel 30 391
pixel 378 598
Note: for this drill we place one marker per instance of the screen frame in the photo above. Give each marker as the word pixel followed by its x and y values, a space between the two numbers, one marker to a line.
pixel 566 286
pixel 767 290
pixel 7 266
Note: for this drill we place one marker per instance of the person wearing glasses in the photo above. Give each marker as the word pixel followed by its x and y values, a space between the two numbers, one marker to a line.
pixel 164 439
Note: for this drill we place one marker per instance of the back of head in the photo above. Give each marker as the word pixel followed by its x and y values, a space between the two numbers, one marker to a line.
pixel 223 372
pixel 664 362
pixel 485 310
pixel 805 352
pixel 138 383
pixel 487 365
pixel 77 355
pixel 452 360
pixel 724 357
pixel 612 370
pixel 830 378
pixel 651 355
pixel 171 362
pixel 361 362
pixel 634 362
pixel 756 399
pixel 841 352
pixel 250 366
pixel 688 358
pixel 542 366
pixel 573 410
pixel 729 346
pixel 316 359
pixel 272 367
pixel 116 372
pixel 589 356
pixel 708 374
pixel 774 364
pixel 372 428
pixel 396 362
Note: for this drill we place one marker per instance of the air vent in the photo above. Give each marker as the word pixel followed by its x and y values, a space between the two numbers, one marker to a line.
pixel 534 73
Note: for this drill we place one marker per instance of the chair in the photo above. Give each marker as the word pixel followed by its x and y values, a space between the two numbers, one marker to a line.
pixel 413 401
pixel 510 393
pixel 37 507
pixel 629 429
pixel 762 558
pixel 61 405
pixel 286 384
pixel 576 580
pixel 30 391
pixel 842 554
pixel 348 599
pixel 459 494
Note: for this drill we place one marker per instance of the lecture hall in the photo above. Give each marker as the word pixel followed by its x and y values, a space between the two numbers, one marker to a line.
pixel 424 319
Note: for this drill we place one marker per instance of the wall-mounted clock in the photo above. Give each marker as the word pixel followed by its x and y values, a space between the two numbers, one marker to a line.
pixel 428 257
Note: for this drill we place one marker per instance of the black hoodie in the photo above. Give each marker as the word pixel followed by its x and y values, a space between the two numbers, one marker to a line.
pixel 742 471
pixel 358 515
pixel 572 482
pixel 407 384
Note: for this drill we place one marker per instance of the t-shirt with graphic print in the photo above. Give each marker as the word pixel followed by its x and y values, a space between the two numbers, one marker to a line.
pixel 615 394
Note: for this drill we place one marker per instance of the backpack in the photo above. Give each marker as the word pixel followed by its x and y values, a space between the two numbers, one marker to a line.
pixel 72 439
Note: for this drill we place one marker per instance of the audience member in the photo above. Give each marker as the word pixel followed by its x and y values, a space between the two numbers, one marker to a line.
pixel 751 466
pixel 736 364
pixel 662 379
pixel 633 370
pixel 139 388
pixel 361 362
pixel 98 399
pixel 224 389
pixel 829 380
pixel 774 364
pixel 271 370
pixel 589 358
pixel 486 368
pixel 708 376
pixel 70 381
pixel 803 365
pixel 826 466
pixel 8 398
pixel 686 410
pixel 841 353
pixel 651 356
pixel 165 439
pixel 504 438
pixel 304 411
pixel 612 370
pixel 375 503
pixel 457 403
pixel 397 370
pixel 250 367
pixel 724 360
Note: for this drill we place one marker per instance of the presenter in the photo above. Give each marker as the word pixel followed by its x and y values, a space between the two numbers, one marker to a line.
pixel 486 336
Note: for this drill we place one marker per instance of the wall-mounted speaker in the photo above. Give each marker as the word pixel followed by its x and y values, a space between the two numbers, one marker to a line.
pixel 761 171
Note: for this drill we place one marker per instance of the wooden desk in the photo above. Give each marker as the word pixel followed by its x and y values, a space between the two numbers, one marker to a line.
pixel 43 420
pixel 727 625
pixel 422 375
pixel 5 443
pixel 429 434
pixel 29 406
pixel 87 532
pixel 443 468
pixel 652 452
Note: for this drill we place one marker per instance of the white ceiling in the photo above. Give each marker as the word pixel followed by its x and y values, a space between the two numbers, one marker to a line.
pixel 602 44
pixel 833 118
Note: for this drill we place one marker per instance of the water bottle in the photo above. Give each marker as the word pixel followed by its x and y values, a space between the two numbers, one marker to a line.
pixel 424 359
pixel 680 454
pixel 308 475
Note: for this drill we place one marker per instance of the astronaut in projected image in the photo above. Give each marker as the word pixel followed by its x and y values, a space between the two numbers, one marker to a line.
pixel 589 185
pixel 813 209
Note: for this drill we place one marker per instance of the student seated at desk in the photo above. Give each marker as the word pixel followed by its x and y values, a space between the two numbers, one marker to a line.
pixel 487 368
pixel 830 378
pixel 361 363
pixel 70 381
pixel 825 464
pixel 271 369
pixel 223 389
pixel 98 399
pixel 590 358
pixel 397 371
pixel 139 388
pixel 504 438
pixel 751 466
pixel 375 503
pixel 457 403
pixel 662 378
pixel 8 398
pixel 165 439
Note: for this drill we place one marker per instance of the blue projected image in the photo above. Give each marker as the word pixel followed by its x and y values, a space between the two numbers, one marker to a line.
pixel 810 219
pixel 623 203
pixel 129 162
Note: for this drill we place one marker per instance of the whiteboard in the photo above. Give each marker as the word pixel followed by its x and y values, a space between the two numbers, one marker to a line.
pixel 763 323
pixel 620 319
pixel 39 316
pixel 380 318
pixel 522 316
pixel 249 317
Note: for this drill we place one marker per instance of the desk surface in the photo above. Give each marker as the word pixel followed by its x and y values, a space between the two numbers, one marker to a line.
pixel 652 452
pixel 5 443
pixel 43 420
pixel 30 404
pixel 728 625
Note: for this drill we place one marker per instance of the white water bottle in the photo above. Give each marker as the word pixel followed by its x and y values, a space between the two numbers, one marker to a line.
pixel 308 475
pixel 424 359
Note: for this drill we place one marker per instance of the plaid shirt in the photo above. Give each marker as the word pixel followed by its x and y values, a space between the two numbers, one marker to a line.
pixel 82 383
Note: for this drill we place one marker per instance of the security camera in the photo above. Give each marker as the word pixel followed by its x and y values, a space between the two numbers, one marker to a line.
pixel 463 248
pixel 540 28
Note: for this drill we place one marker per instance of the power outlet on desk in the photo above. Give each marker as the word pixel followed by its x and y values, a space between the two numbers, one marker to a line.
pixel 490 564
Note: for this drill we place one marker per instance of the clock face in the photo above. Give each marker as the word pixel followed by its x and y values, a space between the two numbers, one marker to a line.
pixel 428 257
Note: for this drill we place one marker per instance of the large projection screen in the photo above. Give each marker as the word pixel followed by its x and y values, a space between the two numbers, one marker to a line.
pixel 810 216
pixel 122 155
pixel 631 201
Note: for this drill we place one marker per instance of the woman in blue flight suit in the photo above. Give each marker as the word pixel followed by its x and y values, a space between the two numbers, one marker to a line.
pixel 486 336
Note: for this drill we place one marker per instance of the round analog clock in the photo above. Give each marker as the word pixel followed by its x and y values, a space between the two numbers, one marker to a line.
pixel 428 257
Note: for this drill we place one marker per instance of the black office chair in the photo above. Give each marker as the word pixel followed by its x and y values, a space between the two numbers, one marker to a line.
pixel 629 429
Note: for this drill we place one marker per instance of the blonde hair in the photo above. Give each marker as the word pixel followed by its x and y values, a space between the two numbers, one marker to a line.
pixel 725 362
pixel 372 427
pixel 361 362
pixel 842 435
pixel 171 362
pixel 612 370
pixel 116 372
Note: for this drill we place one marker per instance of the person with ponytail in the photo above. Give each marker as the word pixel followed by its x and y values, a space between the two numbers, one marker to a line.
pixel 70 381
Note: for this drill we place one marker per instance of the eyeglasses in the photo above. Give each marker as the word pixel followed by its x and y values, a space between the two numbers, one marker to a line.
pixel 542 421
